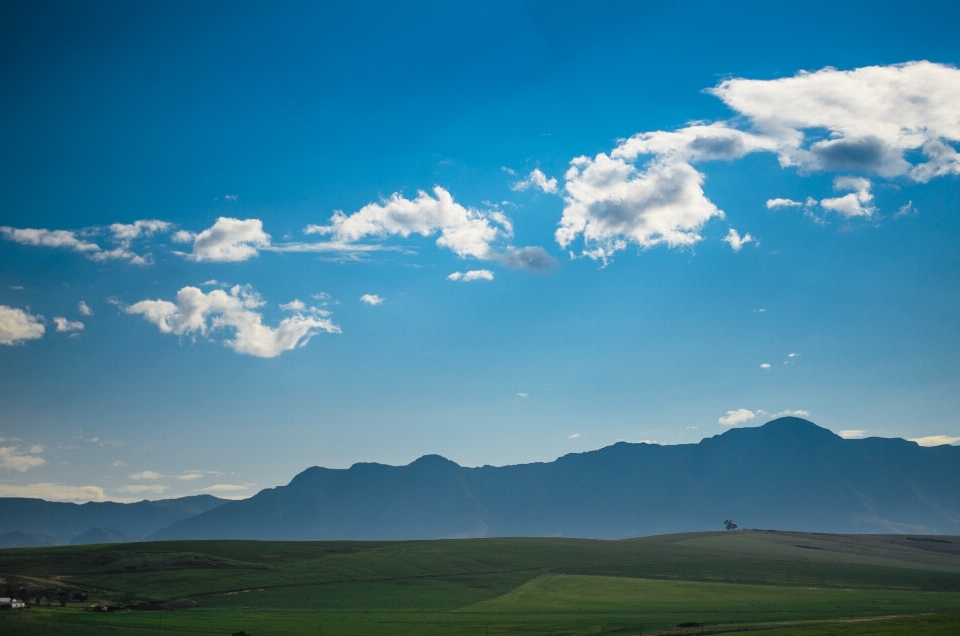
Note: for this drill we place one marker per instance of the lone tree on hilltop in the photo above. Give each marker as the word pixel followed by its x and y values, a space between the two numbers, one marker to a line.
pixel 730 524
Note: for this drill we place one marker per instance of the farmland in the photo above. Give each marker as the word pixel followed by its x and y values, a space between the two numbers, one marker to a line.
pixel 790 583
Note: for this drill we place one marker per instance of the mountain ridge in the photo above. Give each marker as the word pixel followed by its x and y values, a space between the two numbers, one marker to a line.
pixel 786 474
pixel 64 521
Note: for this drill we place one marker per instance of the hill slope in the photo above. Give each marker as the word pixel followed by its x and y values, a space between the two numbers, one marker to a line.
pixel 787 474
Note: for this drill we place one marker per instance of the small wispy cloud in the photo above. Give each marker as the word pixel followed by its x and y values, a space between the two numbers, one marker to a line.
pixel 472 275
pixel 64 325
pixel 782 203
pixel 230 491
pixel 574 436
pixel 787 413
pixel 740 416
pixel 371 299
pixel 935 440
pixel 84 308
pixel 853 433
pixel 732 418
pixel 146 474
pixel 12 459
pixel 294 305
pixel 227 488
pixel 138 489
pixel 54 492
pixel 537 180
pixel 906 209
pixel 190 475
pixel 735 241
pixel 765 365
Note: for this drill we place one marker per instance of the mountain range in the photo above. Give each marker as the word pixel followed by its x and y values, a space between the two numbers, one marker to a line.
pixel 34 522
pixel 788 474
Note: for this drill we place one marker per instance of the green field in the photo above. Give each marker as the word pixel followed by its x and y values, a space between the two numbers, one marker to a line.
pixel 767 582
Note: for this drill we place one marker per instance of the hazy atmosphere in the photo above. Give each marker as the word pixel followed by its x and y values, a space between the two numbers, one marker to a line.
pixel 239 240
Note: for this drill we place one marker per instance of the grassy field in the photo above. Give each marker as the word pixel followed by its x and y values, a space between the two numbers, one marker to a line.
pixel 768 582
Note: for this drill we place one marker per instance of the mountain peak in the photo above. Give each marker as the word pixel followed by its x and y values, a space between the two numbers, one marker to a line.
pixel 434 461
pixel 792 422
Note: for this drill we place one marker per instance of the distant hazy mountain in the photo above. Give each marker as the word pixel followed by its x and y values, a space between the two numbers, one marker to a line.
pixel 787 474
pixel 104 535
pixel 65 521
pixel 21 539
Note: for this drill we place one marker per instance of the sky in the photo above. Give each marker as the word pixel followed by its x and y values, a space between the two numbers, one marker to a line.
pixel 241 239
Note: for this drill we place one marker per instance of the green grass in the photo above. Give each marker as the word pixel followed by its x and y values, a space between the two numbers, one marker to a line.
pixel 769 582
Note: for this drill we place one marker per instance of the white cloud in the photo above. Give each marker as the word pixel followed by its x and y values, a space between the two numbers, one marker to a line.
pixel 221 490
pixel 872 115
pixel 611 202
pixel 298 305
pixel 872 118
pixel 294 305
pixel 782 203
pixel 537 180
pixel 732 418
pixel 787 413
pixel 474 274
pixel 765 365
pixel 466 231
pixel 735 241
pixel 17 326
pixel 137 489
pixel 118 464
pixel 906 209
pixel 67 325
pixel 54 492
pixel 68 239
pixel 349 250
pixel 49 238
pixel 793 355
pixel 84 309
pixel 857 203
pixel 147 474
pixel 371 299
pixel 11 459
pixel 127 232
pixel 227 240
pixel 854 433
pixel 226 488
pixel 574 436
pixel 189 476
pixel 197 313
pixel 935 440
pixel 523 395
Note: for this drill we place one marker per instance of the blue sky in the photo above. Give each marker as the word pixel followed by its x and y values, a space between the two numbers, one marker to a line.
pixel 500 232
